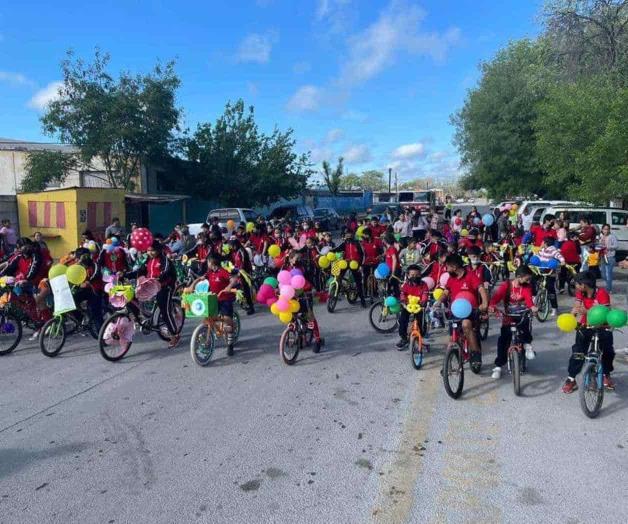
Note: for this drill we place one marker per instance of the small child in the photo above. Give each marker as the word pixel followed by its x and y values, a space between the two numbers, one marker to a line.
pixel 413 286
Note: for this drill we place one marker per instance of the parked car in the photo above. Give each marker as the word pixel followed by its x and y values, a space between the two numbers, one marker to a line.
pixel 328 218
pixel 237 214
pixel 616 218
pixel 538 203
pixel 382 208
pixel 292 212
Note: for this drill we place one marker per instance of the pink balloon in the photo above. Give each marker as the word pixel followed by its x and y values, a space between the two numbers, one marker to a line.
pixel 282 305
pixel 444 278
pixel 508 206
pixel 108 287
pixel 284 277
pixel 286 292
pixel 266 290
pixel 271 301
pixel 429 282
pixel 298 282
pixel 261 299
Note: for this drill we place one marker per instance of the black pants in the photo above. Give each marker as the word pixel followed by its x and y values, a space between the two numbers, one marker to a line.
pixel 581 348
pixel 248 296
pixel 164 301
pixel 505 338
pixel 404 320
pixel 94 303
pixel 357 277
pixel 563 276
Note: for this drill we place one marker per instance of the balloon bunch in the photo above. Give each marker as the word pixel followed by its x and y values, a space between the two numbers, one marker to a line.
pixel 111 244
pixel 382 271
pixel 464 233
pixel 76 274
pixel 414 305
pixel 290 283
pixel 392 304
pixel 596 316
pixel 266 292
pixel 91 246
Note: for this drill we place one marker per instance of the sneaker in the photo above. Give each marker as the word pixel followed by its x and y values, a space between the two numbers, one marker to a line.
pixel 570 386
pixel 608 383
pixel 230 350
pixel 403 342
pixel 530 354
pixel 497 373
pixel 554 312
pixel 174 342
pixel 476 362
pixel 34 336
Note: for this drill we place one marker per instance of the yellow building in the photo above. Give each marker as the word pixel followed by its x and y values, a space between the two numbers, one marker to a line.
pixel 62 215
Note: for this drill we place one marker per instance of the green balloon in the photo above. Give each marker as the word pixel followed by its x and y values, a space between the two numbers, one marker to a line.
pixel 617 318
pixel 395 309
pixel 57 270
pixel 271 281
pixel 338 256
pixel 596 316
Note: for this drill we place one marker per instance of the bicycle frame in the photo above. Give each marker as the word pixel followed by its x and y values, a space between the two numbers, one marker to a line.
pixel 594 355
pixel 456 336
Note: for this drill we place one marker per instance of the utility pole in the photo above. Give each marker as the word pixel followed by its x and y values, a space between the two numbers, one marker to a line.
pixel 389 175
pixel 397 186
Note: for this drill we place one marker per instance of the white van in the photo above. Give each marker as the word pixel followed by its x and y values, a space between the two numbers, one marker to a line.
pixel 542 203
pixel 617 218
pixel 237 214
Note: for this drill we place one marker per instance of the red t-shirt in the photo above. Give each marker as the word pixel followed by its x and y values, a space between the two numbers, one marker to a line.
pixel 467 282
pixel 437 270
pixel 370 252
pixel 570 252
pixel 416 290
pixel 219 280
pixel 392 255
pixel 601 297
pixel 587 235
pixel 519 296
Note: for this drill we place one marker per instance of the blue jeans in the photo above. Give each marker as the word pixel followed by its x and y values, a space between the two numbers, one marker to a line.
pixel 608 263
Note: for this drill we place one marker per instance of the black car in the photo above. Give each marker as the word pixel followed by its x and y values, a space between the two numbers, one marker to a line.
pixel 328 218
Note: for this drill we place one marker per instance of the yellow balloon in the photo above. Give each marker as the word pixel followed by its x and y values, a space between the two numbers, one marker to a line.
pixel 324 262
pixel 464 233
pixel 250 226
pixel 294 306
pixel 359 232
pixel 274 250
pixel 57 270
pixel 567 322
pixel 274 310
pixel 285 317
pixel 331 256
pixel 438 293
pixel 354 265
pixel 342 264
pixel 76 274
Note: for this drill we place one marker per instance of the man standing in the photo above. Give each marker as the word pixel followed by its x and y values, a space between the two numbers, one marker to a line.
pixel 9 236
pixel 114 229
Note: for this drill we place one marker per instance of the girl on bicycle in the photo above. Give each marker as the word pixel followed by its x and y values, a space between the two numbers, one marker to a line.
pixel 413 286
pixel 242 262
pixel 587 296
pixel 514 295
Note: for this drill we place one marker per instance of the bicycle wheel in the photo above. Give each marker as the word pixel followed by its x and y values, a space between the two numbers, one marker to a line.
pixel 514 355
pixel 543 305
pixel 111 342
pixel 236 327
pixel 289 345
pixel 332 300
pixel 416 351
pixel 592 390
pixel 382 320
pixel 351 293
pixel 453 371
pixel 10 333
pixel 52 336
pixel 484 327
pixel 202 344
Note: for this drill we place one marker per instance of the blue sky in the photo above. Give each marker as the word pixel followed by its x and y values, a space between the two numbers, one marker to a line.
pixel 373 81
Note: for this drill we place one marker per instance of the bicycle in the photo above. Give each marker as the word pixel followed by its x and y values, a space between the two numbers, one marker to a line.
pixel 338 285
pixel 541 299
pixel 54 332
pixel 116 334
pixel 592 389
pixel 416 337
pixel 295 337
pixel 517 362
pixel 571 278
pixel 206 334
pixel 456 354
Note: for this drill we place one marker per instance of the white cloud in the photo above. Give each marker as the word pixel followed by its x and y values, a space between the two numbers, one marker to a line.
pixel 327 8
pixel 256 47
pixel 409 151
pixel 334 135
pixel 357 154
pixel 15 79
pixel 318 154
pixel 354 116
pixel 397 30
pixel 306 98
pixel 439 155
pixel 43 97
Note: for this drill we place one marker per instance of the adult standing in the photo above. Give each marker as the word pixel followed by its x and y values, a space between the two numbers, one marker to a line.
pixel 114 229
pixel 609 245
pixel 403 228
pixel 587 238
pixel 9 235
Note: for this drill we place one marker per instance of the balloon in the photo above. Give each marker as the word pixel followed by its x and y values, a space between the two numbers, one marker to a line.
pixel 383 270
pixel 391 301
pixel 566 322
pixel 273 309
pixel 331 256
pixel 108 241
pixel 294 306
pixel 468 296
pixel 553 264
pixel 444 278
pixel 596 316
pixel 325 250
pixel 284 277
pixel 226 249
pixel 342 264
pixel 323 262
pixel 272 282
pixel 464 233
pixel 250 226
pixel 282 305
pixel 266 290
pixel 298 282
pixel 285 317
pixel 274 250
pixel 286 292
pixel 354 265
pixel 535 260
pixel 141 239
pixel 296 271
pixel 429 282
pixel 359 232
pixel 93 247
pixel 488 219
pixel 115 241
pixel 76 274
pixel 395 309
pixel 461 308
pixel 438 293
pixel 617 318
pixel 230 224
pixel 338 256
pixel 57 270
pixel 271 301
pixel 477 221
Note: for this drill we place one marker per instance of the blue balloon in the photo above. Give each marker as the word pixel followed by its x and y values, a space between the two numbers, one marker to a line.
pixel 114 241
pixel 553 264
pixel 461 308
pixel 488 219
pixel 527 238
pixel 383 270
pixel 390 301
pixel 476 221
pixel 535 260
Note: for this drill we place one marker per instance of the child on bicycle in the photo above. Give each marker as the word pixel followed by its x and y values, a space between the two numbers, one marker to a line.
pixel 515 296
pixel 413 286
pixel 352 252
pixel 391 257
pixel 587 296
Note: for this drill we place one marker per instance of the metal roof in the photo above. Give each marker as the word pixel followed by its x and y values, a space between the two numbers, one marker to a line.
pixel 10 144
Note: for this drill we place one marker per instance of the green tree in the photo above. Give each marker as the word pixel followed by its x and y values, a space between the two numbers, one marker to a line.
pixel 47 167
pixel 237 164
pixel 372 180
pixel 333 177
pixel 351 181
pixel 122 122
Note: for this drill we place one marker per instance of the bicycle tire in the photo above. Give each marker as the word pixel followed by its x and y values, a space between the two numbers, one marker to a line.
pixel 453 364
pixel 52 336
pixel 289 345
pixel 332 299
pixel 416 351
pixel 9 325
pixel 543 305
pixel 376 313
pixel 352 294
pixel 202 344
pixel 591 389
pixel 515 369
pixel 104 348
pixel 236 327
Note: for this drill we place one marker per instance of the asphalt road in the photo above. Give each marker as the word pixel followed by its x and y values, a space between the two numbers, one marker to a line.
pixel 351 435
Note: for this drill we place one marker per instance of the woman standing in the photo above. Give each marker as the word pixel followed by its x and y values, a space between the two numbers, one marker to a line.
pixel 609 245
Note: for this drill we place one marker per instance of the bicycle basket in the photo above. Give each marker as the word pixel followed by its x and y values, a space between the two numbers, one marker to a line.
pixel 120 295
pixel 200 305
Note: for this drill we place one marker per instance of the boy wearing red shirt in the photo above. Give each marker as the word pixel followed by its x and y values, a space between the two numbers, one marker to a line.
pixel 587 296
pixel 515 295
pixel 391 257
pixel 371 252
pixel 352 252
pixel 413 286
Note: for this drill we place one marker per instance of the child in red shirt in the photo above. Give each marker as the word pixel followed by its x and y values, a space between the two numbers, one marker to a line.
pixel 413 286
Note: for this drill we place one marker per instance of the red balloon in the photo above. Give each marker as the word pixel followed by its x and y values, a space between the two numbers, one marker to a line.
pixel 141 239
pixel 467 295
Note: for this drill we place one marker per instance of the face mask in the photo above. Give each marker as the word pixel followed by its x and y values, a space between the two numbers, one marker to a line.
pixel 305 228
pixel 415 280
pixel 474 261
